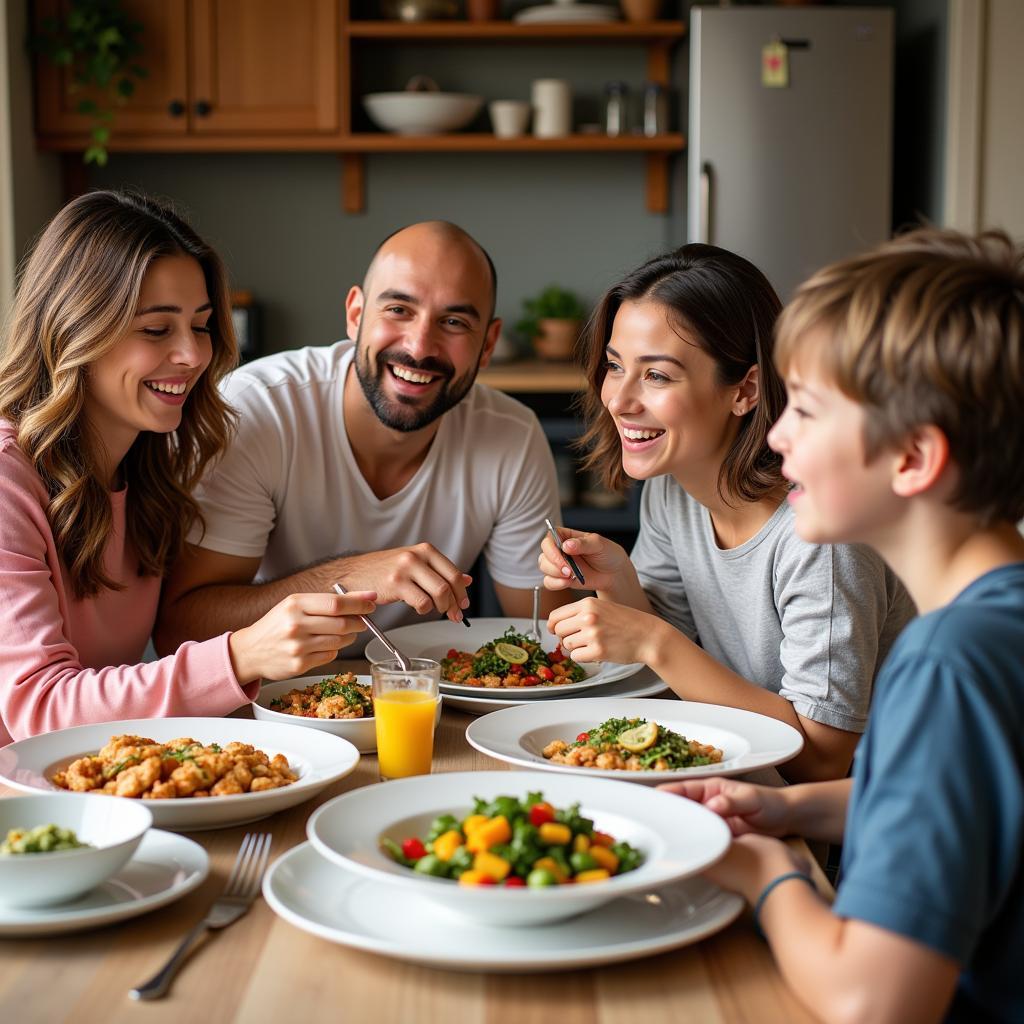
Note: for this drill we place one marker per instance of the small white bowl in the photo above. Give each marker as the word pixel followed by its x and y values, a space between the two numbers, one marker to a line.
pixel 113 827
pixel 360 732
pixel 678 838
pixel 421 113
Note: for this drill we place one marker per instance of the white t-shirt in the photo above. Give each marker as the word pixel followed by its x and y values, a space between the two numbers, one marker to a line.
pixel 288 489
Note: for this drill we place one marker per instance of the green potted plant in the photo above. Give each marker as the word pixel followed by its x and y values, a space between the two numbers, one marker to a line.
pixel 552 322
pixel 98 42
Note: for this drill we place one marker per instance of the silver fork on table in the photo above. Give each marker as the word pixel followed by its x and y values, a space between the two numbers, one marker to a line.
pixel 242 888
pixel 533 633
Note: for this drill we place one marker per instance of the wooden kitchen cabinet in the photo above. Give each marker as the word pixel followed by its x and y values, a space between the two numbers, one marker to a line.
pixel 277 76
pixel 258 68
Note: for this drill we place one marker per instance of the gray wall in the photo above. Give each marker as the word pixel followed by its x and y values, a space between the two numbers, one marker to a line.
pixel 578 220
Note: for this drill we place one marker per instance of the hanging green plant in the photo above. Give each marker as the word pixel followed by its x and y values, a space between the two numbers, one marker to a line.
pixel 98 42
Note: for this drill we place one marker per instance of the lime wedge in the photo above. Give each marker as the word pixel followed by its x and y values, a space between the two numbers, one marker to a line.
pixel 640 738
pixel 511 653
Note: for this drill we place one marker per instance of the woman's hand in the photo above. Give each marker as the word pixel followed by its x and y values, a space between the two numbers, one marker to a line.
pixel 297 634
pixel 745 807
pixel 600 560
pixel 596 629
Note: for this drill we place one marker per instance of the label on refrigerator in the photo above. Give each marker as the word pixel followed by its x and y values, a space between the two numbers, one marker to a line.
pixel 775 65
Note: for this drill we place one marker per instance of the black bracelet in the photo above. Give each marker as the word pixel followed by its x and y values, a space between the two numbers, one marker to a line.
pixel 767 890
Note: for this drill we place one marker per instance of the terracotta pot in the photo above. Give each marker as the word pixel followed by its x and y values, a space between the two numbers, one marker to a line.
pixel 557 338
pixel 641 10
pixel 482 10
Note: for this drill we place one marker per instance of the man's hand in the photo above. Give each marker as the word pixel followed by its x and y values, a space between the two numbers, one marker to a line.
pixel 418 575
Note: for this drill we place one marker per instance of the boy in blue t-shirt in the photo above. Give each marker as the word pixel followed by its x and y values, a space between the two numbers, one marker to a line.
pixel 905 431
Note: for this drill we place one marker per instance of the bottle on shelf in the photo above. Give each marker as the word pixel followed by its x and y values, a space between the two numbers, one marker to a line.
pixel 616 120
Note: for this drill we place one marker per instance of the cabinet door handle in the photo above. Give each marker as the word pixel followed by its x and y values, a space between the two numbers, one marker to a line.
pixel 203 108
pixel 175 108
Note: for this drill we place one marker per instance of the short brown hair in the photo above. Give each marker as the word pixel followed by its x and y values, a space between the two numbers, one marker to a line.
pixel 927 329
pixel 729 308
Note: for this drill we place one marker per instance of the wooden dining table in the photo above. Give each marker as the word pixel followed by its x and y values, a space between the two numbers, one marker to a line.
pixel 264 969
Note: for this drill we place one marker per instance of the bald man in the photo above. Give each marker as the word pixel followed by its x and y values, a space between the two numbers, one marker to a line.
pixel 379 463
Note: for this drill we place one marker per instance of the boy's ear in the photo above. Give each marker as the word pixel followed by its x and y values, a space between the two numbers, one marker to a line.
pixel 748 392
pixel 921 461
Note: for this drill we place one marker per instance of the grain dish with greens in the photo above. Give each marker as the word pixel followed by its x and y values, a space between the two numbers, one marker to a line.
pixel 336 697
pixel 510 661
pixel 631 744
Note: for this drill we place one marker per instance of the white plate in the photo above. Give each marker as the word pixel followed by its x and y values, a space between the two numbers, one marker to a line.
pixel 435 639
pixel 317 758
pixel 747 740
pixel 164 868
pixel 644 685
pixel 565 13
pixel 336 905
pixel 361 732
pixel 677 837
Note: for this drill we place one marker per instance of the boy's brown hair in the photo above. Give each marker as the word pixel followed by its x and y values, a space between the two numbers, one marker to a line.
pixel 927 329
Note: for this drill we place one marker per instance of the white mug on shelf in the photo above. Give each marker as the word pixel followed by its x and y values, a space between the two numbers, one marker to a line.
pixel 552 108
pixel 509 118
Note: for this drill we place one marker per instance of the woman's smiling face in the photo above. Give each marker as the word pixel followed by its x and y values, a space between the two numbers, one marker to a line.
pixel 142 383
pixel 662 390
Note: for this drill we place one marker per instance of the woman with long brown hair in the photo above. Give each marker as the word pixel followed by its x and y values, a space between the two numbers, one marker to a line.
pixel 109 414
pixel 719 596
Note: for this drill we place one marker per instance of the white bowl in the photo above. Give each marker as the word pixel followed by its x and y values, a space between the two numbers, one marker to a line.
pixel 360 732
pixel 677 837
pixel 421 113
pixel 113 827
pixel 317 759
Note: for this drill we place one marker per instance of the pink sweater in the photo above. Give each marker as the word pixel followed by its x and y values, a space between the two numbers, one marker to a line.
pixel 67 662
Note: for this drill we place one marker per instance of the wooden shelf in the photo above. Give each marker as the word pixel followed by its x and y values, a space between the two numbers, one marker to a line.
pixel 511 32
pixel 484 142
pixel 534 376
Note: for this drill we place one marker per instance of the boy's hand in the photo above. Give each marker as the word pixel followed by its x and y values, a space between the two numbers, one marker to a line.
pixel 751 862
pixel 745 807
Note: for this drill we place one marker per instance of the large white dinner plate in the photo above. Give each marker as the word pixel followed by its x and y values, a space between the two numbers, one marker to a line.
pixel 435 639
pixel 747 740
pixel 677 838
pixel 361 732
pixel 317 758
pixel 646 684
pixel 164 868
pixel 339 906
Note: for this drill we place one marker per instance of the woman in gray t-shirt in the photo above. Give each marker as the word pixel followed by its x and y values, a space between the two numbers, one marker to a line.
pixel 719 596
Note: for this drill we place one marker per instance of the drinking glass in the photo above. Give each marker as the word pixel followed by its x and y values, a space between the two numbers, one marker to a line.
pixel 404 710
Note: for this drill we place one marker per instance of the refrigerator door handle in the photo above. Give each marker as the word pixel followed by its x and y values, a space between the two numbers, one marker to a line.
pixel 704 221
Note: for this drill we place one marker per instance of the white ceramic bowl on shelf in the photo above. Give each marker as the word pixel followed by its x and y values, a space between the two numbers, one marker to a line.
pixel 113 828
pixel 677 837
pixel 421 113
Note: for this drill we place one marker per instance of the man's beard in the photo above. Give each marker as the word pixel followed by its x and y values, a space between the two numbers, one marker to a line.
pixel 404 413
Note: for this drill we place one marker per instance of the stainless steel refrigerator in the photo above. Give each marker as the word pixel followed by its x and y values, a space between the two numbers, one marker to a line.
pixel 790 134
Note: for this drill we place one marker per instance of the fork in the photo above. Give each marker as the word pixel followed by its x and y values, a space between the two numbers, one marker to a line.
pixel 533 633
pixel 242 888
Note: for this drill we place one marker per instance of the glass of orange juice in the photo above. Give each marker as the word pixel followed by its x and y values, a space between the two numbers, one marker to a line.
pixel 404 710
